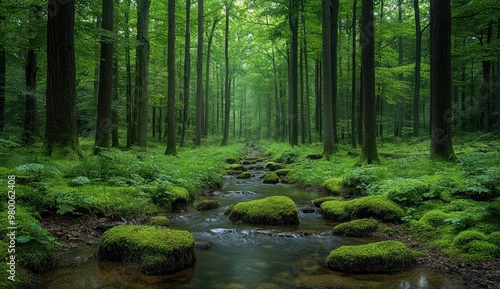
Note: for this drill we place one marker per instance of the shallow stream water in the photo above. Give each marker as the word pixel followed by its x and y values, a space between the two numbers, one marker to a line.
pixel 244 256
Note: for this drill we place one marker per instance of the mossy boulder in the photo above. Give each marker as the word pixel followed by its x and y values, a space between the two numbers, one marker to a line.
pixel 207 205
pixel 160 221
pixel 357 228
pixel 378 257
pixel 335 210
pixel 282 172
pixel 333 186
pixel 272 166
pixel 244 175
pixel 271 178
pixel 150 249
pixel 376 207
pixel 276 210
pixel 317 202
pixel 236 167
pixel 464 238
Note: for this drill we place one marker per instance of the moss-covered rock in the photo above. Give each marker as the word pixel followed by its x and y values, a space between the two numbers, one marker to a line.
pixel 207 205
pixel 335 210
pixel 244 175
pixel 376 207
pixel 276 210
pixel 317 202
pixel 333 186
pixel 463 239
pixel 282 172
pixel 357 228
pixel 161 221
pixel 382 257
pixel 236 167
pixel 272 166
pixel 271 178
pixel 150 249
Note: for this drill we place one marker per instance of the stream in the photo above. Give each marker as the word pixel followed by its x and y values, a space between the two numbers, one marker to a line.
pixel 244 256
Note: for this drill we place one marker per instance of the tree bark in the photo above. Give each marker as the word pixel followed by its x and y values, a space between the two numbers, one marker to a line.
pixel 227 83
pixel 61 136
pixel 128 84
pixel 441 140
pixel 334 15
pixel 114 107
pixel 293 73
pixel 328 141
pixel 2 76
pixel 207 74
pixel 486 90
pixel 187 72
pixel 143 70
pixel 30 113
pixel 306 63
pixel 105 96
pixel 199 78
pixel 369 152
pixel 399 127
pixel 418 60
pixel 353 76
pixel 171 149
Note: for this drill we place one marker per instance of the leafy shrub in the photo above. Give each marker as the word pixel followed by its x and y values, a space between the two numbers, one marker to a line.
pixel 34 172
pixel 73 202
pixel 407 192
pixel 357 180
pixel 160 195
pixel 79 181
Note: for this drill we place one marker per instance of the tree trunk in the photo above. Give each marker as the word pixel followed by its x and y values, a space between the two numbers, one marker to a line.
pixel 143 72
pixel 293 73
pixel 353 76
pixel 328 134
pixel 276 97
pixel 486 91
pixel 61 136
pixel 441 140
pixel 334 15
pixel 114 107
pixel 227 83
pixel 418 60
pixel 302 110
pixel 369 152
pixel 30 113
pixel 128 84
pixel 2 75
pixel 199 78
pixel 187 72
pixel 105 96
pixel 171 150
pixel 306 63
pixel 399 130
pixel 207 75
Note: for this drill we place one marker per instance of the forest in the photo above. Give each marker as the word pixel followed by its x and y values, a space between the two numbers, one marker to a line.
pixel 250 144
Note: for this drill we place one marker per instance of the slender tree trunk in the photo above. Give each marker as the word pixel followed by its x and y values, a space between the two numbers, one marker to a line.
pixel 486 90
pixel 114 107
pixel 199 78
pixel 207 75
pixel 306 63
pixel 187 72
pixel 128 84
pixel 353 76
pixel 399 130
pixel 276 97
pixel 334 15
pixel 143 70
pixel 61 136
pixel 361 103
pixel 293 73
pixel 328 141
pixel 105 97
pixel 302 110
pixel 227 86
pixel 369 152
pixel 418 60
pixel 98 25
pixel 30 113
pixel 171 143
pixel 441 140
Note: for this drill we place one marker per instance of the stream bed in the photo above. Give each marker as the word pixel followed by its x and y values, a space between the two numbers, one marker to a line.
pixel 242 255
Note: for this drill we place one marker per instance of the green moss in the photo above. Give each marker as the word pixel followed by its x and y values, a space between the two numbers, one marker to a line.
pixel 463 239
pixel 383 257
pixel 207 205
pixel 480 251
pixel 244 175
pixel 357 228
pixel 236 167
pixel 181 194
pixel 333 186
pixel 272 166
pixel 276 210
pixel 335 210
pixel 150 249
pixel 436 218
pixel 282 172
pixel 271 178
pixel 376 207
pixel 161 221
pixel 494 238
pixel 317 202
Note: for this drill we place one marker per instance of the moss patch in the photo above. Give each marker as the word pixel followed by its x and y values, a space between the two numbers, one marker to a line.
pixel 161 221
pixel 271 178
pixel 244 175
pixel 276 210
pixel 376 207
pixel 357 228
pixel 149 249
pixel 236 167
pixel 335 210
pixel 272 166
pixel 207 205
pixel 333 186
pixel 282 172
pixel 383 257
pixel 317 202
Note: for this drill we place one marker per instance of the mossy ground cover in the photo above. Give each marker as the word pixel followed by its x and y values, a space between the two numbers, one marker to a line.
pixel 383 257
pixel 439 199
pixel 377 207
pixel 151 249
pixel 276 210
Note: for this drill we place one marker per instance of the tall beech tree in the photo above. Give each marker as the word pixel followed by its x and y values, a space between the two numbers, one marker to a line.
pixel 142 70
pixel 441 138
pixel 227 80
pixel 199 78
pixel 187 73
pixel 293 20
pixel 61 136
pixel 2 73
pixel 369 152
pixel 418 61
pixel 328 141
pixel 105 96
pixel 171 143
